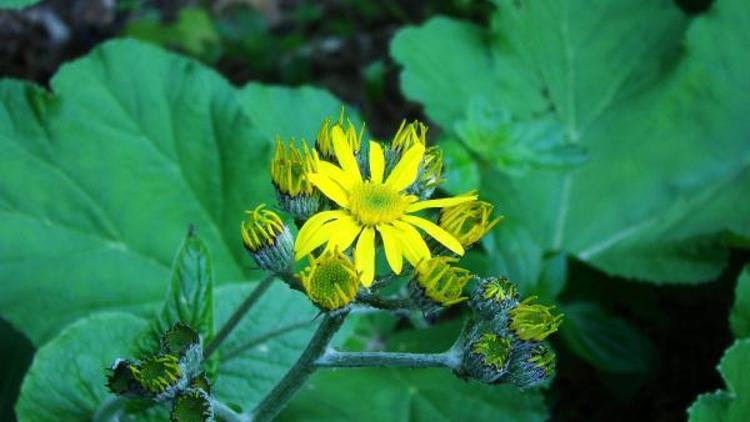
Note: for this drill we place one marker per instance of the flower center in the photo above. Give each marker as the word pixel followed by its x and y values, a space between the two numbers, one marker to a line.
pixel 375 203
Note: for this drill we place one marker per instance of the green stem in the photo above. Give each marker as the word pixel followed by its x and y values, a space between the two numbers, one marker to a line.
pixel 278 398
pixel 387 303
pixel 237 315
pixel 226 414
pixel 334 359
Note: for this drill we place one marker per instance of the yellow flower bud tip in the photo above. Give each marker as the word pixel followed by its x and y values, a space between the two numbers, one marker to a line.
pixel 441 281
pixel 468 221
pixel 533 322
pixel 156 374
pixel 330 280
pixel 261 228
pixel 409 135
pixel 324 139
pixel 499 290
pixel 493 349
pixel 290 166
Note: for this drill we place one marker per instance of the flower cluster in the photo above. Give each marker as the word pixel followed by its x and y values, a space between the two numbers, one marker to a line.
pixel 354 200
pixel 171 375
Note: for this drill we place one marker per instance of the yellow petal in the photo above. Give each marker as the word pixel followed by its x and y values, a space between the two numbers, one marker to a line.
pixel 344 233
pixel 312 226
pixel 414 247
pixel 392 246
pixel 437 232
pixel 439 203
pixel 364 256
pixel 335 172
pixel 406 170
pixel 330 188
pixel 377 162
pixel 345 155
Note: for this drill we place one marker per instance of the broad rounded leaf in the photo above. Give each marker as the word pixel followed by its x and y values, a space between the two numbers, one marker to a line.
pixel 102 177
pixel 67 380
pixel 668 169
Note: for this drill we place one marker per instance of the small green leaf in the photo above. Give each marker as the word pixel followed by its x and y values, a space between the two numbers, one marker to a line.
pixel 67 380
pixel 391 395
pixel 607 342
pixel 189 296
pixel 732 405
pixel 739 317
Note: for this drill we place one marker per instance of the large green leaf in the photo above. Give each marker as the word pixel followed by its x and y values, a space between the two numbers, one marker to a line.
pixel 189 295
pixel 659 111
pixel 732 405
pixel 102 177
pixel 606 341
pixel 394 395
pixel 67 380
pixel 739 317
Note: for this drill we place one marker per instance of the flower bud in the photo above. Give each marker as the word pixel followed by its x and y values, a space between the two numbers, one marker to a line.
pixel 294 191
pixel 409 135
pixel 160 376
pixel 468 221
pixel 493 296
pixel 487 357
pixel 533 322
pixel 192 406
pixel 267 239
pixel 184 343
pixel 437 284
pixel 531 366
pixel 121 379
pixel 330 280
pixel 324 140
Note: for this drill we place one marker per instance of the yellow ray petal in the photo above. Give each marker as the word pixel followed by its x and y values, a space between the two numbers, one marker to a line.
pixel 437 232
pixel 414 247
pixel 364 256
pixel 344 233
pixel 312 226
pixel 330 188
pixel 335 172
pixel 345 155
pixel 392 246
pixel 406 170
pixel 377 162
pixel 439 203
pixel 319 237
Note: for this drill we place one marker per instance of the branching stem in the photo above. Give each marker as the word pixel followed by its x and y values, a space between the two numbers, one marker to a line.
pixel 277 399
pixel 335 359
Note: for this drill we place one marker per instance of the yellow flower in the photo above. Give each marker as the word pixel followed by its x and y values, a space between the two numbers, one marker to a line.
pixel 330 281
pixel 442 282
pixel 374 205
pixel 468 221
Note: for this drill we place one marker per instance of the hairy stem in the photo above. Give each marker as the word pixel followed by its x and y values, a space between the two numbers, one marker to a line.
pixel 278 398
pixel 335 359
pixel 387 303
pixel 224 413
pixel 237 315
